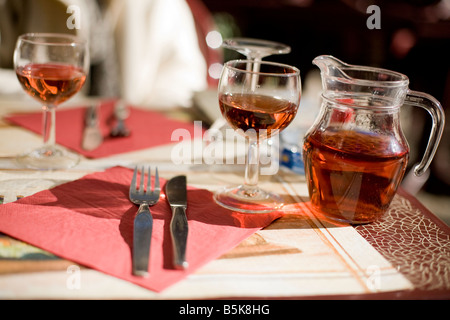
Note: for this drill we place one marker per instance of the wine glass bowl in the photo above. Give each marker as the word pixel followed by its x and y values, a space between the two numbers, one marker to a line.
pixel 51 68
pixel 258 99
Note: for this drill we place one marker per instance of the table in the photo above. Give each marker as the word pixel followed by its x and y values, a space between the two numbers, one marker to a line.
pixel 299 256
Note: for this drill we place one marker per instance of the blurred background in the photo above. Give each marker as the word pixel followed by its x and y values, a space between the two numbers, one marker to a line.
pixel 413 38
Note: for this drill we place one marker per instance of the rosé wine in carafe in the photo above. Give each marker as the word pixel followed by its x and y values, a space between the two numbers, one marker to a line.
pixel 355 154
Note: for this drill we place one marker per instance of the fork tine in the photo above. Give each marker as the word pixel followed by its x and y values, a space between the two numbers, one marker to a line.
pixel 141 186
pixel 156 184
pixel 149 181
pixel 133 181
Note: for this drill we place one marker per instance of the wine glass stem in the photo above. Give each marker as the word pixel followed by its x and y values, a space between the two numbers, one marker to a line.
pixel 252 167
pixel 48 130
pixel 256 65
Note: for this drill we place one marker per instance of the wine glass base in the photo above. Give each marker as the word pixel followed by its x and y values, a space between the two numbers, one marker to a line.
pixel 246 200
pixel 48 158
pixel 256 48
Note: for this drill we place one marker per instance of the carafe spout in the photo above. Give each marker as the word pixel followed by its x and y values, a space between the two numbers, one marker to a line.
pixel 331 66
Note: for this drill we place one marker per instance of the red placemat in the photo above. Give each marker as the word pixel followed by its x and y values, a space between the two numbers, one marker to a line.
pixel 90 221
pixel 148 129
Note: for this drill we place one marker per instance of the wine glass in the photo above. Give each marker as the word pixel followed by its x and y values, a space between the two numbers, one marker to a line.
pixel 51 68
pixel 255 49
pixel 252 49
pixel 257 104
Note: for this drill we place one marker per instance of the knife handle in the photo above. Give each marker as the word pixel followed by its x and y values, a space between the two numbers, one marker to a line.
pixel 179 231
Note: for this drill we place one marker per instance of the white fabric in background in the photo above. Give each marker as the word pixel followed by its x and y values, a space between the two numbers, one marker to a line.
pixel 160 61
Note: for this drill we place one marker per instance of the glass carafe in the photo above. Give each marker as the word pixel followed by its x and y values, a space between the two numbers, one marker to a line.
pixel 355 154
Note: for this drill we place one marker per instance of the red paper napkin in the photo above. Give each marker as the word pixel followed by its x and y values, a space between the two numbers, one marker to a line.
pixel 148 129
pixel 90 221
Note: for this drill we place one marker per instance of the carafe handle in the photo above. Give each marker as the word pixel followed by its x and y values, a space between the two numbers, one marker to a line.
pixel 434 108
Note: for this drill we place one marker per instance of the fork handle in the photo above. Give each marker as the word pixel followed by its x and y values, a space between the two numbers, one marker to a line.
pixel 143 224
pixel 179 231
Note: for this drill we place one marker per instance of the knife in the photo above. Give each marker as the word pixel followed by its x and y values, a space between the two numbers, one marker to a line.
pixel 92 136
pixel 177 197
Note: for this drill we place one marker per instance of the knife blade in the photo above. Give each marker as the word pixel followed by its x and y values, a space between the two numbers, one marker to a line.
pixel 92 136
pixel 176 195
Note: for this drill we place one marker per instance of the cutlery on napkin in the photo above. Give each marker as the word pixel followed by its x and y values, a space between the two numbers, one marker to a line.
pixel 143 122
pixel 90 221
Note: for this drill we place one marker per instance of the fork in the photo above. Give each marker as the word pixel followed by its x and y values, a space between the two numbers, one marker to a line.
pixel 143 222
